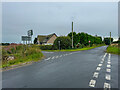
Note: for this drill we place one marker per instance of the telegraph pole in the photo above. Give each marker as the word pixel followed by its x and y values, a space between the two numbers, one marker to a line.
pixel 72 34
pixel 110 38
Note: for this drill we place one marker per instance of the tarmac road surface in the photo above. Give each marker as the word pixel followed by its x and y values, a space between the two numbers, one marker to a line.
pixel 81 69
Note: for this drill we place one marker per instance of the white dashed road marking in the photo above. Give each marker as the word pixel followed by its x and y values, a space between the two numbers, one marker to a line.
pixel 100 65
pixel 109 62
pixel 56 56
pixel 98 68
pixel 108 70
pixel 60 55
pixel 108 66
pixel 53 57
pixel 47 59
pixel 107 85
pixel 108 77
pixel 92 83
pixel 96 74
pixel 101 62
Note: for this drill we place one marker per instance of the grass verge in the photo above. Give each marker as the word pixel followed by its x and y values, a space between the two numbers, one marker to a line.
pixel 21 54
pixel 113 49
pixel 78 49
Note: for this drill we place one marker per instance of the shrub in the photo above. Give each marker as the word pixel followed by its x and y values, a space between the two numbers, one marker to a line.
pixel 46 47
pixel 65 42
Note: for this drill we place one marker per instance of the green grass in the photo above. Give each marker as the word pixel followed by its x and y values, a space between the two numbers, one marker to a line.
pixel 22 54
pixel 113 50
pixel 79 49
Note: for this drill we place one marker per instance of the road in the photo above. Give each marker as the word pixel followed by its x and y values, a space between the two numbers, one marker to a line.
pixel 82 69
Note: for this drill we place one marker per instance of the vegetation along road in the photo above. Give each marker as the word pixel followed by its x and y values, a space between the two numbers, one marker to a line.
pixel 79 69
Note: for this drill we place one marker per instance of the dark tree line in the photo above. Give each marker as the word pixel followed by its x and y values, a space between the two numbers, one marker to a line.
pixel 84 38
pixel 107 41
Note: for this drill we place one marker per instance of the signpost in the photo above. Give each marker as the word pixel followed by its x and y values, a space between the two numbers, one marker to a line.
pixel 30 33
pixel 89 42
pixel 28 38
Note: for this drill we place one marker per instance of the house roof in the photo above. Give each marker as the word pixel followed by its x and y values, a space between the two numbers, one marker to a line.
pixel 45 38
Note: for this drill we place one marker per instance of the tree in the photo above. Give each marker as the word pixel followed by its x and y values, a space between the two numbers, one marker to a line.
pixel 65 42
pixel 35 41
pixel 107 41
pixel 83 38
pixel 76 39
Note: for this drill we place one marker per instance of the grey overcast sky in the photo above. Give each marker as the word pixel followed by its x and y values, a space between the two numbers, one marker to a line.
pixel 46 18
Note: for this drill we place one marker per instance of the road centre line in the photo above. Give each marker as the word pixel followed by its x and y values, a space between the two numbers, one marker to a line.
pixel 92 83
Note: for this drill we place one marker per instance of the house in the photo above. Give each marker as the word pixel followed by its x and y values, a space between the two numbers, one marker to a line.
pixel 46 39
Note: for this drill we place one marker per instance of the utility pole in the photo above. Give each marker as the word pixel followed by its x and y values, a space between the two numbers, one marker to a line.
pixel 72 34
pixel 110 38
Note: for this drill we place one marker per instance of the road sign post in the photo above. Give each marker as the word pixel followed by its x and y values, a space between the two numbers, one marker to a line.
pixel 30 33
pixel 89 43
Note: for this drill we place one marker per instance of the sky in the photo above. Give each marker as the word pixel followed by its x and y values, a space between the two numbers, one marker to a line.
pixel 95 18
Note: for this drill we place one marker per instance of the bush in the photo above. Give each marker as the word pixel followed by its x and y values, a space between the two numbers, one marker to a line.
pixel 65 42
pixel 107 41
pixel 46 47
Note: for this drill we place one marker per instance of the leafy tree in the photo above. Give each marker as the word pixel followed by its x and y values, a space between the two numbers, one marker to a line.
pixel 76 39
pixel 107 41
pixel 84 38
pixel 65 42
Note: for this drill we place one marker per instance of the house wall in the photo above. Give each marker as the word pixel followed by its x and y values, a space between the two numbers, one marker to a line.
pixel 51 40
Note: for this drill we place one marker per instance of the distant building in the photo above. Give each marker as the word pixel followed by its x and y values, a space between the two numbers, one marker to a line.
pixel 46 39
